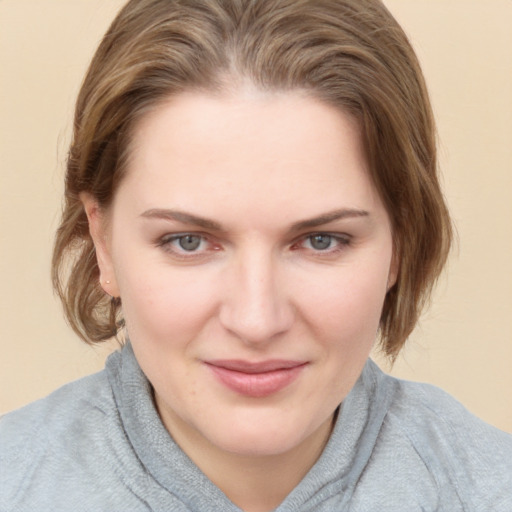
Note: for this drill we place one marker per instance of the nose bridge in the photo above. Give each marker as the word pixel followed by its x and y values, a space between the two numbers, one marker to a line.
pixel 256 307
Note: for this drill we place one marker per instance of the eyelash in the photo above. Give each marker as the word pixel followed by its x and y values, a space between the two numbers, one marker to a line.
pixel 167 244
pixel 340 242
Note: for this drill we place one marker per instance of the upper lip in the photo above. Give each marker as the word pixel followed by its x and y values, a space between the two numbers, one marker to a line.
pixel 239 365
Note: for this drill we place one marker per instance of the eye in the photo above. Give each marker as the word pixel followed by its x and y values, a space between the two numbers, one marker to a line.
pixel 326 243
pixel 320 241
pixel 186 244
pixel 189 242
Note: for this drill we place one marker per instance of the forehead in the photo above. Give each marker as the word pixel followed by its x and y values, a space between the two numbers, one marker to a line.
pixel 246 149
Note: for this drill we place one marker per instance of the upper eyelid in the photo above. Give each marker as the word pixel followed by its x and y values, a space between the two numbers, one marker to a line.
pixel 207 236
pixel 336 235
pixel 174 236
pixel 168 238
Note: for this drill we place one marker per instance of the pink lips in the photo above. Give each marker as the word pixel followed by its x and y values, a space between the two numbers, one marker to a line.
pixel 256 380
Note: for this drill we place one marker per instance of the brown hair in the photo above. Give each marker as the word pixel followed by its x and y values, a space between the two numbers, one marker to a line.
pixel 349 53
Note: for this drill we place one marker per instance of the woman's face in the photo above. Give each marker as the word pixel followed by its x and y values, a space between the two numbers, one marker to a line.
pixel 252 256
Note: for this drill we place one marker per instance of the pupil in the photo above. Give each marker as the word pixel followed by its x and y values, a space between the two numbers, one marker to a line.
pixel 189 242
pixel 320 242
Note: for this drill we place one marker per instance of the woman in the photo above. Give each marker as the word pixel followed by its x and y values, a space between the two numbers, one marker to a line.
pixel 251 200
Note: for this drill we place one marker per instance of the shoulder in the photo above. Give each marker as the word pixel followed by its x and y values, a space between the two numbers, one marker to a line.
pixel 423 407
pixel 67 405
pixel 52 435
pixel 460 451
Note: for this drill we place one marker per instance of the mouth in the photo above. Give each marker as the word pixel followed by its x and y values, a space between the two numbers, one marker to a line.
pixel 256 380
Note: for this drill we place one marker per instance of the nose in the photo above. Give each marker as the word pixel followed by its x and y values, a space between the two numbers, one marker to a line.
pixel 256 307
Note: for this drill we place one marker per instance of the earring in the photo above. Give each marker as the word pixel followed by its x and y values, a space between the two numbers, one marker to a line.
pixel 107 282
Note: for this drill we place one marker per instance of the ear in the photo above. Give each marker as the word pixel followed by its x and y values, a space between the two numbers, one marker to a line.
pixel 98 229
pixel 394 268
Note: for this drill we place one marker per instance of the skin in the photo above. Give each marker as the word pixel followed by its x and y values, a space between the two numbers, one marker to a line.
pixel 259 286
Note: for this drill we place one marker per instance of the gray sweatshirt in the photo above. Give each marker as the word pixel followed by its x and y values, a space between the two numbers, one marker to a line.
pixel 98 445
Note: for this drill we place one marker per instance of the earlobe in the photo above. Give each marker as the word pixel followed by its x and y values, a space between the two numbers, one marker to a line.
pixel 99 234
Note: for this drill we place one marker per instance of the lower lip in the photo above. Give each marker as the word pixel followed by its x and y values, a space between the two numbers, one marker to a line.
pixel 257 385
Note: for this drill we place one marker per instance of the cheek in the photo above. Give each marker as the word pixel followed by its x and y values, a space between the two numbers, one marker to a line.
pixel 163 304
pixel 343 318
pixel 346 311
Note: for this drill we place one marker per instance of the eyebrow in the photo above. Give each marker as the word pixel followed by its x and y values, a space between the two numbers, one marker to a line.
pixel 328 217
pixel 183 217
pixel 188 218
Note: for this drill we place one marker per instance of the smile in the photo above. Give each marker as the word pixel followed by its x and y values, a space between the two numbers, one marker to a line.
pixel 256 380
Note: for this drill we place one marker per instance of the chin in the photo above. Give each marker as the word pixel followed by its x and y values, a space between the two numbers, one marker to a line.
pixel 261 437
pixel 260 444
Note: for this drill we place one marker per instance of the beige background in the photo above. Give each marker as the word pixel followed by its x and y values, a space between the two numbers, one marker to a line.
pixel 464 343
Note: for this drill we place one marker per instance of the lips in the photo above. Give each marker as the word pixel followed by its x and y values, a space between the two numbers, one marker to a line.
pixel 256 380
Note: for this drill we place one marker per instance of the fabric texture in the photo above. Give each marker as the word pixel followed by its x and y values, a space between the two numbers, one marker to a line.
pixel 98 445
